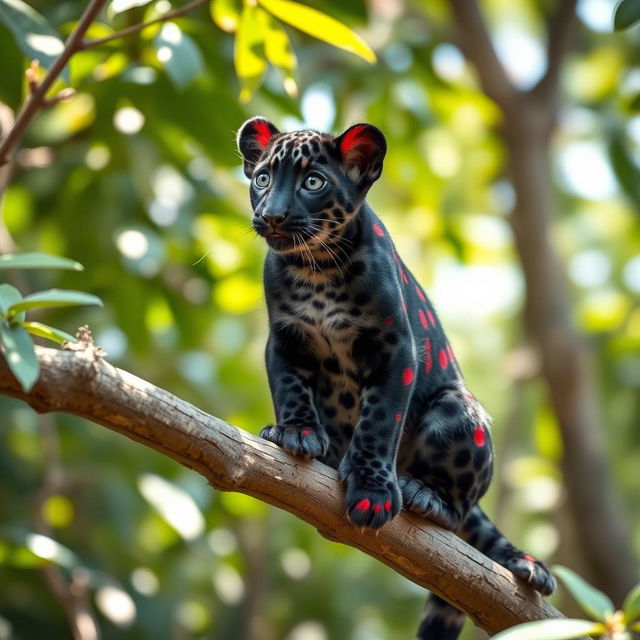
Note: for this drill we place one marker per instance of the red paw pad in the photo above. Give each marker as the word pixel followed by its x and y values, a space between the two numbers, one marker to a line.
pixel 363 505
pixel 387 505
pixel 377 508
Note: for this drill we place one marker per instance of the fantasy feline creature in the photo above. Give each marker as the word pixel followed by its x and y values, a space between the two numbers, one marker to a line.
pixel 361 373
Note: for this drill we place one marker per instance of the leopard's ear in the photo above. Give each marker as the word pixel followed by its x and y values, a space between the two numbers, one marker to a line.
pixel 253 138
pixel 362 148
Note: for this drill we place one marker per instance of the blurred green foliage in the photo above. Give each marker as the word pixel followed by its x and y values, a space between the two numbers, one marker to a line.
pixel 138 179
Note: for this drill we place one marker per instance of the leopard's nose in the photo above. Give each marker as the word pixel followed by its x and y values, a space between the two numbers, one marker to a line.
pixel 274 219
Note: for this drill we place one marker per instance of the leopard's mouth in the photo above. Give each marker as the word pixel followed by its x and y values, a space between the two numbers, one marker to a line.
pixel 279 241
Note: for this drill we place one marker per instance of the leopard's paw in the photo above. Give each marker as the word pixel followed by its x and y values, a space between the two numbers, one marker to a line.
pixel 372 497
pixel 298 440
pixel 532 571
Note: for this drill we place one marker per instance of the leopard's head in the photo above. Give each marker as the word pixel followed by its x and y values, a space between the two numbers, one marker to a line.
pixel 306 187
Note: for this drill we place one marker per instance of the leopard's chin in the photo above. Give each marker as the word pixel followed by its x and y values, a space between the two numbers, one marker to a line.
pixel 281 243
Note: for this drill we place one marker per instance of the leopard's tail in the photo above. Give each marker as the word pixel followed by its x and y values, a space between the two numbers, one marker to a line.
pixel 442 621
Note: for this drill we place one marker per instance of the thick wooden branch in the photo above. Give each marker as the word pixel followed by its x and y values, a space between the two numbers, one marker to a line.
pixel 233 460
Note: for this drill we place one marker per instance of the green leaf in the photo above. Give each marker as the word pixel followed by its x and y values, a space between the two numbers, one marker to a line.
pixel 593 602
pixel 226 14
pixel 627 13
pixel 50 333
pixel 279 51
pixel 53 298
pixel 631 605
pixel 19 352
pixel 37 261
pixel 320 26
pixel 562 629
pixel 178 54
pixel 626 171
pixel 9 295
pixel 34 35
pixel 634 104
pixel 249 54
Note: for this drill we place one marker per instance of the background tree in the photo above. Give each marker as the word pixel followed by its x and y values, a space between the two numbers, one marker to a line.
pixel 136 177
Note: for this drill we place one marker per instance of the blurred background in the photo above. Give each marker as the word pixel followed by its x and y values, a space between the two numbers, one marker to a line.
pixel 137 177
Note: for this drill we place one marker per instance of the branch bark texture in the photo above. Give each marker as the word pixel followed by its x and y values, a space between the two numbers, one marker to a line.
pixel 233 460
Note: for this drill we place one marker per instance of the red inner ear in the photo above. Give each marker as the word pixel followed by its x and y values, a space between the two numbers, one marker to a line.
pixel 263 132
pixel 356 136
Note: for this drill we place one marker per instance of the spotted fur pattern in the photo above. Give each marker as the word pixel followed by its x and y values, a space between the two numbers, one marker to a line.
pixel 361 373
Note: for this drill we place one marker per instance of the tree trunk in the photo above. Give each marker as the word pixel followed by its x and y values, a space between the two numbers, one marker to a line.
pixel 566 367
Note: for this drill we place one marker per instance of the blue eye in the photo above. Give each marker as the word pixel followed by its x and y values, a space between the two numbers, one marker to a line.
pixel 262 180
pixel 313 182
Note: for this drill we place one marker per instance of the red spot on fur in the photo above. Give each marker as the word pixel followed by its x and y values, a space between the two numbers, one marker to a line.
pixel 398 417
pixel 263 132
pixel 420 294
pixel 378 230
pixel 479 436
pixel 387 505
pixel 363 505
pixel 404 276
pixel 432 320
pixel 428 359
pixel 528 558
pixel 306 432
pixel 407 376
pixel 395 257
pixel 423 319
pixel 442 358
pixel 388 321
pixel 351 138
pixel 377 508
pixel 450 354
pixel 404 306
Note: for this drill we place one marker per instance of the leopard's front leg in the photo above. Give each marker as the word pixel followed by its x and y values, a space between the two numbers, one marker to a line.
pixel 368 468
pixel 292 371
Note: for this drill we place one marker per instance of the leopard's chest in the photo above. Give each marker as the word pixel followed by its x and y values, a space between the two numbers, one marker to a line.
pixel 330 321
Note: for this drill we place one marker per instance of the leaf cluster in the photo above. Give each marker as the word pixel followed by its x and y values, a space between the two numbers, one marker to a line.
pixel 15 343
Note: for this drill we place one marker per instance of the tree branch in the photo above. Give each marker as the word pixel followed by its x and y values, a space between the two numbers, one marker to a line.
pixel 234 460
pixel 74 43
pixel 475 42
pixel 135 28
pixel 37 97
pixel 558 44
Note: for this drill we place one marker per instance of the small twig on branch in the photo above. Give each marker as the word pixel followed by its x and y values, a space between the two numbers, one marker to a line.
pixel 234 460
pixel 176 13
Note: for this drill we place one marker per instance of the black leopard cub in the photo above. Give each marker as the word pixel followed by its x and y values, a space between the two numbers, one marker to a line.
pixel 360 370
